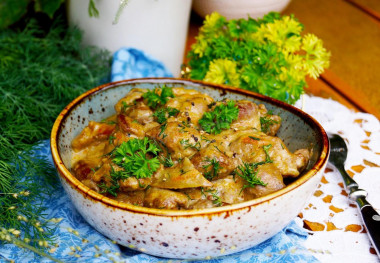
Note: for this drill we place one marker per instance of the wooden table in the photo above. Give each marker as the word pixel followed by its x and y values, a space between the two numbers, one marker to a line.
pixel 350 30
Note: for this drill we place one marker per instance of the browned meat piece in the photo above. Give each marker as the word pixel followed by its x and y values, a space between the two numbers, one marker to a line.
pixel 82 170
pixel 133 184
pixel 227 190
pixel 180 139
pixel 103 171
pixel 133 198
pixel 182 175
pixel 129 126
pixel 140 113
pixel 251 149
pixel 182 91
pixel 191 106
pixel 269 174
pixel 87 159
pixel 249 116
pixel 202 204
pixel 164 199
pixel 94 133
pixel 302 158
pixel 213 163
pixel 91 184
pixel 197 198
pixel 129 99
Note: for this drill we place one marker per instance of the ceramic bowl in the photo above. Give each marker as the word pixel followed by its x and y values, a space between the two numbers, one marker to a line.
pixel 188 234
pixel 239 8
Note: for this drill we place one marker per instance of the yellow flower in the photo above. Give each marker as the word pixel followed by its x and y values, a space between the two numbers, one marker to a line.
pixel 210 23
pixel 317 57
pixel 284 32
pixel 223 71
pixel 200 46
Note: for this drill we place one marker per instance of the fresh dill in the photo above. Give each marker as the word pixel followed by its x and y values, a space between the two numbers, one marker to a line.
pixel 212 168
pixel 248 171
pixel 186 144
pixel 162 129
pixel 166 161
pixel 266 122
pixel 42 69
pixel 216 200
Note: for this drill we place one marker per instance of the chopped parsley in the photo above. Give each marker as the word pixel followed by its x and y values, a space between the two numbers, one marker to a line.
pixel 163 114
pixel 154 99
pixel 133 157
pixel 220 118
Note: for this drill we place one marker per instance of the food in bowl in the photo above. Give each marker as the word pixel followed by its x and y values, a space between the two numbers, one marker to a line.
pixel 177 148
pixel 184 233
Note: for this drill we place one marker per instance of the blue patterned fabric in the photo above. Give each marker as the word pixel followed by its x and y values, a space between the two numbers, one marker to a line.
pixel 130 63
pixel 79 242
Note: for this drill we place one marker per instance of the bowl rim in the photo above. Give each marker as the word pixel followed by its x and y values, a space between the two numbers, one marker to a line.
pixel 65 174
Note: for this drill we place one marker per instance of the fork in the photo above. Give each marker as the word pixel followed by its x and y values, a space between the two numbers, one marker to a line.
pixel 370 218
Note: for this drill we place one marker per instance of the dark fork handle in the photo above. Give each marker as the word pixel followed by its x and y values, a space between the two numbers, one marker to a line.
pixel 370 217
pixel 371 221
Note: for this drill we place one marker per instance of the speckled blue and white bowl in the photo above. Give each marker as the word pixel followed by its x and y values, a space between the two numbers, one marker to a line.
pixel 188 234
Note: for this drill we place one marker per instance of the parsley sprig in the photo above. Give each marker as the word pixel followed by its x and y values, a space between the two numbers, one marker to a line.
pixel 270 56
pixel 158 96
pixel 220 118
pixel 133 157
pixel 163 114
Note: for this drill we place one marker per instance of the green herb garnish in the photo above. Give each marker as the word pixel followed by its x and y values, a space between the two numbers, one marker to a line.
pixel 42 69
pixel 162 129
pixel 270 56
pixel 248 171
pixel 133 157
pixel 167 161
pixel 220 118
pixel 163 114
pixel 154 99
pixel 266 122
pixel 215 197
pixel 254 138
pixel 214 166
pixel 186 144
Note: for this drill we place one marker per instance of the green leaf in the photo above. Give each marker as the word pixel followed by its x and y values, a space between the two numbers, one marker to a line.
pixel 48 7
pixel 11 11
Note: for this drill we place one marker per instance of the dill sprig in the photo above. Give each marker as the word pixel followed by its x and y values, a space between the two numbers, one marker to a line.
pixel 41 71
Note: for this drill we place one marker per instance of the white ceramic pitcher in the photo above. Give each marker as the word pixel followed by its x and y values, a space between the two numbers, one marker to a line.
pixel 157 27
